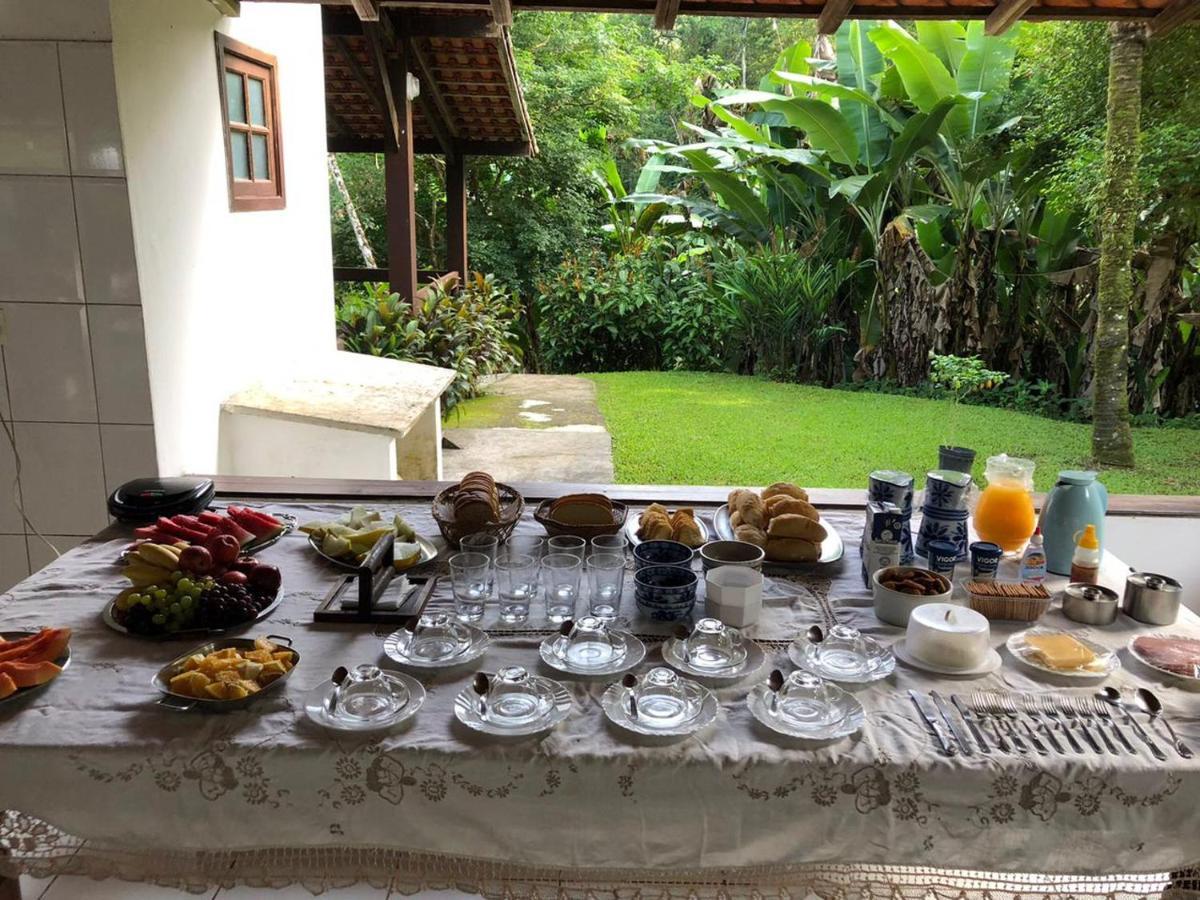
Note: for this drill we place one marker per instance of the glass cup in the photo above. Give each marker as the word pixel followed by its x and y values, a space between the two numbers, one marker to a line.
pixel 608 543
pixel 661 700
pixel 436 637
pixel 588 644
pixel 567 543
pixel 526 545
pixel 713 645
pixel 606 577
pixel 561 574
pixel 513 698
pixel 469 574
pixel 844 651
pixel 806 701
pixel 517 581
pixel 489 546
pixel 366 694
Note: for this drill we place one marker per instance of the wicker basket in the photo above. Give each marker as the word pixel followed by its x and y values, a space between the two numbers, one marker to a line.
pixel 1009 609
pixel 512 504
pixel 587 532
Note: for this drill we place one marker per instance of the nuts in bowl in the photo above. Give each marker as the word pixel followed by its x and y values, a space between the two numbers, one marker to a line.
pixel 898 590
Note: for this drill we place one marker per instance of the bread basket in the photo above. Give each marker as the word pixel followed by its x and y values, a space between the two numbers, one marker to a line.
pixel 1006 609
pixel 587 532
pixel 512 504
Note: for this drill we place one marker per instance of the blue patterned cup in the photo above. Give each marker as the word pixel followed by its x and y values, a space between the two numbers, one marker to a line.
pixel 946 489
pixel 665 593
pixel 942 557
pixel 662 553
pixel 889 486
pixel 985 560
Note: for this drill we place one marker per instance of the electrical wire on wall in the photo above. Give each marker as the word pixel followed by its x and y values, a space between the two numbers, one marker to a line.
pixel 10 433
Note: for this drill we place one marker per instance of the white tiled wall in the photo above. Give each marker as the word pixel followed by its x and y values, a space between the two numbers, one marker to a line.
pixel 73 377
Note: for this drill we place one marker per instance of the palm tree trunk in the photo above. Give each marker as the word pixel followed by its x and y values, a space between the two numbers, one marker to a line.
pixel 1112 440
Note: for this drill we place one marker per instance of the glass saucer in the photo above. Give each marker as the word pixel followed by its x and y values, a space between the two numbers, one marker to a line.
pixel 631 655
pixel 397 645
pixel 880 662
pixel 673 656
pixel 702 708
pixel 316 705
pixel 849 711
pixel 558 706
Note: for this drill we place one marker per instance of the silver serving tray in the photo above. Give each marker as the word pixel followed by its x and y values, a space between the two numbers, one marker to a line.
pixel 171 700
pixel 429 553
pixel 22 693
pixel 832 548
pixel 634 521
pixel 190 633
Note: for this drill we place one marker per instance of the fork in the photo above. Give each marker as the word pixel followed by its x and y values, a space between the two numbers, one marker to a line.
pixel 984 711
pixel 1071 709
pixel 1009 705
pixel 1101 711
pixel 995 709
pixel 1051 712
pixel 1032 710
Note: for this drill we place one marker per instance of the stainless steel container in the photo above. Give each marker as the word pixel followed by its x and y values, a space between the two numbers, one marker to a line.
pixel 1153 599
pixel 1091 604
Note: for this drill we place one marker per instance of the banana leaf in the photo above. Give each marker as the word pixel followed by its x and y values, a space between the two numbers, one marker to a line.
pixel 926 79
pixel 947 41
pixel 825 127
pixel 859 65
pixel 986 69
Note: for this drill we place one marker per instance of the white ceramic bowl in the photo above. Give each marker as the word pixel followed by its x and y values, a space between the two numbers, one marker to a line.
pixel 894 607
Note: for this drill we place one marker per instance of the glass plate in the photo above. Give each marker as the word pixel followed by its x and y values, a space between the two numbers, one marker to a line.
pixel 672 653
pixel 851 721
pixel 634 652
pixel 316 704
pixel 832 548
pixel 1105 663
pixel 395 646
pixel 466 710
pixel 616 706
pixel 880 664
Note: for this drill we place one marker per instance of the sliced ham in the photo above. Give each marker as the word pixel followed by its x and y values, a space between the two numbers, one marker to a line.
pixel 1178 655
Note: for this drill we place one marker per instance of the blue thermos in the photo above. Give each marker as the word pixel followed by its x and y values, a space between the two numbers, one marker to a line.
pixel 1076 500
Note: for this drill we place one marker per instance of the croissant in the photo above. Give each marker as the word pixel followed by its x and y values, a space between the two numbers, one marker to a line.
pixel 752 510
pixel 782 504
pixel 687 531
pixel 792 526
pixel 792 550
pixel 784 487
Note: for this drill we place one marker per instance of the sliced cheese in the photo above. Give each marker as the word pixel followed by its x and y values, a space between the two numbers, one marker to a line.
pixel 1059 651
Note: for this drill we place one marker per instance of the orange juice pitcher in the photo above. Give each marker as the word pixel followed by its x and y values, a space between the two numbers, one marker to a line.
pixel 1004 514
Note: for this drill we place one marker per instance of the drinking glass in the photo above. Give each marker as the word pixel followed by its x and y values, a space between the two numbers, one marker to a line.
pixel 488 545
pixel 714 645
pixel 366 694
pixel 526 545
pixel 516 578
pixel 436 636
pixel 609 543
pixel 469 574
pixel 662 700
pixel 806 701
pixel 588 644
pixel 606 574
pixel 561 573
pixel 513 698
pixel 844 651
pixel 567 543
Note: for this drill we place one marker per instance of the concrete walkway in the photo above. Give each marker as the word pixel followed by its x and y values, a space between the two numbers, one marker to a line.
pixel 531 428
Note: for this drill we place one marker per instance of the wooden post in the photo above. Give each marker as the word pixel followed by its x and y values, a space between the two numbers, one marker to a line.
pixel 398 183
pixel 456 215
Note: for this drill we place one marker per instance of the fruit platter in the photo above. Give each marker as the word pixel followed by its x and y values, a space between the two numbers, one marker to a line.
pixel 345 542
pixel 253 529
pixel 226 674
pixel 30 660
pixel 192 589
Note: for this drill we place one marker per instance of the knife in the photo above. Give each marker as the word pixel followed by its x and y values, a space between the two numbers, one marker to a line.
pixel 959 735
pixel 934 725
pixel 969 718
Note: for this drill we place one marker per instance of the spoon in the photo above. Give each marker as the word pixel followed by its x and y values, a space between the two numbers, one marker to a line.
pixel 775 682
pixel 1153 706
pixel 629 682
pixel 682 632
pixel 1112 695
pixel 480 684
pixel 815 634
pixel 339 675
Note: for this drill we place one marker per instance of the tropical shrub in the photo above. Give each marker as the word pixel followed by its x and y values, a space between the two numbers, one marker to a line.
pixel 473 329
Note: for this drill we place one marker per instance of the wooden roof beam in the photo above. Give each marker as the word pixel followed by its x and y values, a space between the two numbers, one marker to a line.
pixel 367 83
pixel 502 12
pixel 1006 14
pixel 665 12
pixel 437 113
pixel 833 13
pixel 367 10
pixel 1175 14
pixel 373 32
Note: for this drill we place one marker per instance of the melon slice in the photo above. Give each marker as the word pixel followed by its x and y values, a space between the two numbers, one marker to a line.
pixel 210 518
pixel 47 644
pixel 261 525
pixel 228 526
pixel 8 687
pixel 29 674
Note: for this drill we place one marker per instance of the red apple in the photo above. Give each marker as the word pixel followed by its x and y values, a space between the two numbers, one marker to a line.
pixel 245 564
pixel 233 576
pixel 224 549
pixel 196 560
pixel 266 579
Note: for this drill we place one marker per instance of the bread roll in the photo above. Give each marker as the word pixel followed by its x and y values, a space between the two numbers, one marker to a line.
pixel 784 487
pixel 791 525
pixel 751 535
pixel 782 549
pixel 734 496
pixel 735 520
pixel 752 510
pixel 782 505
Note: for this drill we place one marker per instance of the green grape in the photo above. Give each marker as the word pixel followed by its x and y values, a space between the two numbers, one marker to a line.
pixel 195 592
pixel 175 608
pixel 176 575
pixel 158 619
pixel 184 584
pixel 146 600
pixel 160 594
pixel 185 603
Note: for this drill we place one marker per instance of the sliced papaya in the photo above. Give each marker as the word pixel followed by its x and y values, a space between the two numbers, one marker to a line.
pixel 28 674
pixel 8 687
pixel 47 644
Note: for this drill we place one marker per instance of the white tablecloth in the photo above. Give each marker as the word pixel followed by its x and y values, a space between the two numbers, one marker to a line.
pixel 263 795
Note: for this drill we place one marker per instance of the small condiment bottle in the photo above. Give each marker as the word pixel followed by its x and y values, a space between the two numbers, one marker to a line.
pixel 1085 562
pixel 1033 560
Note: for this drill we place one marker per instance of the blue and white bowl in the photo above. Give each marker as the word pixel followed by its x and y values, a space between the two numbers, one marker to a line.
pixel 662 553
pixel 665 593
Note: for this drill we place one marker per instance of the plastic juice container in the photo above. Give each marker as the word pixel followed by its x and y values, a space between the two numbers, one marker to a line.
pixel 1033 562
pixel 1085 562
pixel 1004 514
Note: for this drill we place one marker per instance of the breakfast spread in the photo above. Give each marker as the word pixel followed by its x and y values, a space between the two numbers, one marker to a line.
pixel 232 674
pixel 351 537
pixel 780 520
pixel 658 523
pixel 30 660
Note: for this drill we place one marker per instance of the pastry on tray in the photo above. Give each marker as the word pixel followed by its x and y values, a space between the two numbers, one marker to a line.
pixel 781 520
pixel 658 523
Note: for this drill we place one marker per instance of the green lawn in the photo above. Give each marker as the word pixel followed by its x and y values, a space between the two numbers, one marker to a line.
pixel 693 428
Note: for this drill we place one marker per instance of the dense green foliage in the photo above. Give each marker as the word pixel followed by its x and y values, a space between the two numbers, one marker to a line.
pixel 474 330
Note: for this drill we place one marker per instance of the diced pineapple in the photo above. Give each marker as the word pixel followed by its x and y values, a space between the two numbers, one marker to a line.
pixel 263 644
pixel 227 653
pixel 250 687
pixel 193 662
pixel 271 671
pixel 259 656
pixel 229 676
pixel 190 684
pixel 249 668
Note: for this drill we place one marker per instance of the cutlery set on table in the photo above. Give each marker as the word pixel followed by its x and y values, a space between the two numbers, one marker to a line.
pixel 1044 724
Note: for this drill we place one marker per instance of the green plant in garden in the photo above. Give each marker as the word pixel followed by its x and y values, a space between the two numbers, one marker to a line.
pixel 473 330
pixel 961 375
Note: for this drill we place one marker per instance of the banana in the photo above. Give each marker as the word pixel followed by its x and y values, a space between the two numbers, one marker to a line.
pixel 142 575
pixel 157 555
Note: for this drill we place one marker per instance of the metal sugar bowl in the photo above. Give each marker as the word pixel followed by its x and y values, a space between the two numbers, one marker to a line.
pixel 1091 604
pixel 1151 598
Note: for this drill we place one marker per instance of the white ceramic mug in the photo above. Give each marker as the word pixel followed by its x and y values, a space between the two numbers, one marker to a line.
pixel 733 594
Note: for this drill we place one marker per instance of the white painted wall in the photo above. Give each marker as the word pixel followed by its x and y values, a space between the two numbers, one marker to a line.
pixel 225 296
pixel 1154 544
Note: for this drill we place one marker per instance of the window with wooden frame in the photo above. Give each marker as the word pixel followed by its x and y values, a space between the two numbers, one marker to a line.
pixel 250 117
